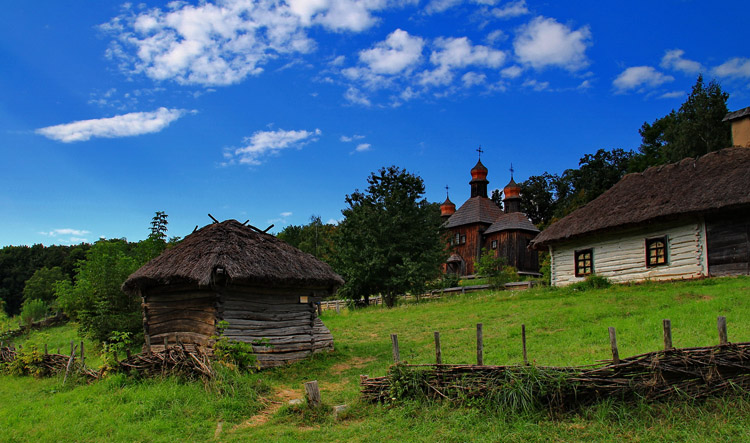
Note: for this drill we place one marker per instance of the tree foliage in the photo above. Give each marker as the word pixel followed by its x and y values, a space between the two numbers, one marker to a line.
pixel 316 238
pixel 41 285
pixel 693 130
pixel 495 269
pixel 389 242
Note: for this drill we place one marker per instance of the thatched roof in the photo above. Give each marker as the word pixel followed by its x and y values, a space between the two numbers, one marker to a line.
pixel 247 256
pixel 716 181
pixel 512 221
pixel 475 210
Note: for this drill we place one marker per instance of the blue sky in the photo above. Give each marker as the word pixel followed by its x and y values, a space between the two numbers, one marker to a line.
pixel 273 111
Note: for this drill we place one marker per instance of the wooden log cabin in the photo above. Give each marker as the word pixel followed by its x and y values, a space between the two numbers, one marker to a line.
pixel 479 224
pixel 683 220
pixel 262 287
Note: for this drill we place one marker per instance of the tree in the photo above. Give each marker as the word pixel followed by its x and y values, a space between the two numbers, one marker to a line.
pixel 495 269
pixel 389 242
pixel 315 238
pixel 41 285
pixel 497 198
pixel 159 226
pixel 695 129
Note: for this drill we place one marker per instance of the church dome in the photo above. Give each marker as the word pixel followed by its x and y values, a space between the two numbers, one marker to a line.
pixel 479 171
pixel 512 189
pixel 447 208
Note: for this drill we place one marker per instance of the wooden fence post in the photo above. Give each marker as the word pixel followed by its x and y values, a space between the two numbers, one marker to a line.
pixel 72 348
pixel 667 334
pixel 480 345
pixel 320 309
pixel 396 355
pixel 438 352
pixel 148 343
pixel 523 339
pixel 721 324
pixel 166 343
pixel 338 310
pixel 312 393
pixel 83 358
pixel 45 349
pixel 613 343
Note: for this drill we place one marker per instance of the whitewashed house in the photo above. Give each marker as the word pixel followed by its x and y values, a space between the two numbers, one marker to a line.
pixel 683 220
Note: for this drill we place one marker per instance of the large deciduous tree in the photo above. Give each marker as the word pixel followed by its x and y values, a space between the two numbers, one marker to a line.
pixel 695 129
pixel 315 238
pixel 389 242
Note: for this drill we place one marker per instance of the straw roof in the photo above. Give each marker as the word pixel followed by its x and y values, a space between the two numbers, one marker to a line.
pixel 719 180
pixel 247 256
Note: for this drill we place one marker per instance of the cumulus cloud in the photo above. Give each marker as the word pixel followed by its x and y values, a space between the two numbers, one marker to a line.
pixel 264 143
pixel 400 51
pixel 355 96
pixel 545 42
pixel 673 60
pixel 639 78
pixel 134 123
pixel 348 139
pixel 535 85
pixel 456 53
pixel 737 67
pixel 473 78
pixel 511 72
pixel 511 9
pixel 362 147
pixel 286 214
pixel 66 231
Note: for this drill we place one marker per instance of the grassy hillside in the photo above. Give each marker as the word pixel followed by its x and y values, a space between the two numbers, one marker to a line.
pixel 564 327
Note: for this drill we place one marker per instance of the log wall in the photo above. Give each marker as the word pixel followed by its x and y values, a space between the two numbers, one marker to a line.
pixel 280 328
pixel 622 256
pixel 728 238
pixel 470 250
pixel 513 245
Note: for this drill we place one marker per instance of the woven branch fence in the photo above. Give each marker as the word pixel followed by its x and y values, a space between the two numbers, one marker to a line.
pixel 692 373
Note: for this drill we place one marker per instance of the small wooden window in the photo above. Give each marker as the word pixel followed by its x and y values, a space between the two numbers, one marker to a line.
pixel 457 240
pixel 656 252
pixel 584 262
pixel 463 239
pixel 494 244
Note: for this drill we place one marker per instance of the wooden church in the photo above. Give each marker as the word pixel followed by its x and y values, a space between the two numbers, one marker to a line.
pixel 479 224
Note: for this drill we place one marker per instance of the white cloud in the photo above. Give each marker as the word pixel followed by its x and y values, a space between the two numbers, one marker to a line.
pixel 355 96
pixel 511 9
pixel 535 85
pixel 511 71
pixel 134 123
pixel 362 147
pixel 737 67
pixel 400 51
pixel 545 42
pixel 66 231
pixel 456 53
pixel 341 15
pixel 286 214
pixel 348 139
pixel 496 36
pixel 264 143
pixel 436 6
pixel 673 94
pixel 472 79
pixel 639 78
pixel 673 60
pixel 586 84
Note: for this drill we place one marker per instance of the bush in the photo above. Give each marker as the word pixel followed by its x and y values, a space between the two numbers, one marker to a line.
pixel 495 269
pixel 592 281
pixel 32 311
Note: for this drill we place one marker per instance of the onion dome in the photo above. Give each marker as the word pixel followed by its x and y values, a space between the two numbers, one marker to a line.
pixel 479 171
pixel 447 208
pixel 512 190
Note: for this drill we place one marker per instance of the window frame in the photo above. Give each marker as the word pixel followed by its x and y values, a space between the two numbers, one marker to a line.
pixel 493 245
pixel 463 239
pixel 576 260
pixel 664 239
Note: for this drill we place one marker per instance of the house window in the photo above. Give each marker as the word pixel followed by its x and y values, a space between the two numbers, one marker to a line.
pixel 494 244
pixel 463 239
pixel 457 240
pixel 584 262
pixel 656 251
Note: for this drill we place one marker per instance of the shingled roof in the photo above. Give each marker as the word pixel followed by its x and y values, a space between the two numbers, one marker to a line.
pixel 513 221
pixel 247 256
pixel 475 210
pixel 716 181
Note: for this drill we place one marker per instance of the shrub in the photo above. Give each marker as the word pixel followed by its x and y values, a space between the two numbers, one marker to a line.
pixel 495 269
pixel 592 281
pixel 32 311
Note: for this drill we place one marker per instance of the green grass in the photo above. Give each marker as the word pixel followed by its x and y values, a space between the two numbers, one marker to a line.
pixel 564 327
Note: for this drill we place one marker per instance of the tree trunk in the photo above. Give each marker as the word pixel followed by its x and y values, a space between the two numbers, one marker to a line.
pixel 390 300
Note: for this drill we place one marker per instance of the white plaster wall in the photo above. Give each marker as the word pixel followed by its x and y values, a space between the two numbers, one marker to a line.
pixel 622 257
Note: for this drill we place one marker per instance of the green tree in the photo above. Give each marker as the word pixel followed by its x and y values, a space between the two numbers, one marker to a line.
pixel 95 298
pixel 695 129
pixel 316 238
pixel 495 269
pixel 33 310
pixel 159 226
pixel 41 285
pixel 389 242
